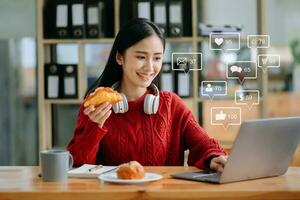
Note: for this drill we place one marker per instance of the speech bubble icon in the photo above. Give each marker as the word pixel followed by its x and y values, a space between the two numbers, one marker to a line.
pixel 226 116
pixel 241 70
pixel 213 88
pixel 246 97
pixel 235 68
pixel 267 61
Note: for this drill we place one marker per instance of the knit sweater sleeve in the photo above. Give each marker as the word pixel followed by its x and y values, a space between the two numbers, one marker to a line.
pixel 84 144
pixel 195 138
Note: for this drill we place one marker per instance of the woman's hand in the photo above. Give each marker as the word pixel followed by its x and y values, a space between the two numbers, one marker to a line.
pixel 218 163
pixel 100 114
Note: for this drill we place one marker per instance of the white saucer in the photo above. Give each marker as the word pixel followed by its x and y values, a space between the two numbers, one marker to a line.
pixel 112 178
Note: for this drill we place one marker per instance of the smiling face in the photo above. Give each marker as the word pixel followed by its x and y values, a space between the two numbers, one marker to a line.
pixel 141 62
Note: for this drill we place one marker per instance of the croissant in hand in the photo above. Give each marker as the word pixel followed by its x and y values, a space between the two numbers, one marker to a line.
pixel 101 95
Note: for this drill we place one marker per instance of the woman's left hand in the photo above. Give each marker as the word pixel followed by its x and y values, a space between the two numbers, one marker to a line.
pixel 218 163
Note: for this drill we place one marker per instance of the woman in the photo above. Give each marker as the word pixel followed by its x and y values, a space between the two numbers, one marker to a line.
pixel 154 127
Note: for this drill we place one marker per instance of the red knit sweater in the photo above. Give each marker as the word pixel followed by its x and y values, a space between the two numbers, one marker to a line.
pixel 158 139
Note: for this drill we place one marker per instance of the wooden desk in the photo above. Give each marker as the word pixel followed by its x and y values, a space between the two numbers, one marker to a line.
pixel 23 183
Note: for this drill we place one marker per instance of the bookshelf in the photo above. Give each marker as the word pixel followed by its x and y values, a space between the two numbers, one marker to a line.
pixel 195 102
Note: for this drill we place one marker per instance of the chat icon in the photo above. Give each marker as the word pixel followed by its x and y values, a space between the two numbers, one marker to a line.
pixel 213 88
pixel 246 97
pixel 235 68
pixel 226 116
pixel 241 70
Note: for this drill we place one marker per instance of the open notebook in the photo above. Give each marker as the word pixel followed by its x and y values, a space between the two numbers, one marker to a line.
pixel 83 171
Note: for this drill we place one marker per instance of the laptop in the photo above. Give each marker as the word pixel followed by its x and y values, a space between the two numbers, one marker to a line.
pixel 263 148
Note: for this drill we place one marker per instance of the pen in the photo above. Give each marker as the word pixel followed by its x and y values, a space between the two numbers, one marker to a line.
pixel 112 169
pixel 95 168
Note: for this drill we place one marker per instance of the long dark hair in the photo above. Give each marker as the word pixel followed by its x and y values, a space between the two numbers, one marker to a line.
pixel 134 31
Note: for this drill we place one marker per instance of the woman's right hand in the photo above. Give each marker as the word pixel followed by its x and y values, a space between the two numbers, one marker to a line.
pixel 100 114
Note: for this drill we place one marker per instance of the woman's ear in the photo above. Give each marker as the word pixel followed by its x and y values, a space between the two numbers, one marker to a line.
pixel 119 58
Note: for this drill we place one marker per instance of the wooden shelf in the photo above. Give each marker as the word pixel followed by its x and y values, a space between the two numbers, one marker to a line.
pixel 199 100
pixel 107 40
pixel 63 101
pixel 78 41
pixel 180 40
pixel 206 39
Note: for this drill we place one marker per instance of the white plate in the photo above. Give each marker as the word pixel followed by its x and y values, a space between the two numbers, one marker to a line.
pixel 112 178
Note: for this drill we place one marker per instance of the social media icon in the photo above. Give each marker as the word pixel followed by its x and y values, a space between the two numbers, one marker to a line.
pixel 247 97
pixel 242 98
pixel 241 70
pixel 226 116
pixel 213 88
pixel 181 61
pixel 208 88
pixel 224 41
pixel 219 41
pixel 220 116
pixel 258 41
pixel 266 61
pixel 235 68
pixel 186 61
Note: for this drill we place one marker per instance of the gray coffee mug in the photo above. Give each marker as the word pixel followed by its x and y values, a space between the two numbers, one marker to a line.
pixel 55 164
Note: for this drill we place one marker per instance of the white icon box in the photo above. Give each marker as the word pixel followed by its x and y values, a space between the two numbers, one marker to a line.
pixel 258 41
pixel 225 41
pixel 185 61
pixel 213 88
pixel 268 60
pixel 247 97
pixel 220 116
pixel 226 116
pixel 241 70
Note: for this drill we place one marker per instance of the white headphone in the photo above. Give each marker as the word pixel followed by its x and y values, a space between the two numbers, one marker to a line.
pixel 151 102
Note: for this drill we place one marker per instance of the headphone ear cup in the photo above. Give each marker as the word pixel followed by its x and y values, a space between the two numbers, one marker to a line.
pixel 155 104
pixel 151 103
pixel 147 104
pixel 121 106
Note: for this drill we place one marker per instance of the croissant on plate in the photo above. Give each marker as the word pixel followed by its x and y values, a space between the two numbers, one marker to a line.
pixel 131 170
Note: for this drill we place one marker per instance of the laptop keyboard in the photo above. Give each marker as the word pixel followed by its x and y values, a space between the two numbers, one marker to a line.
pixel 207 176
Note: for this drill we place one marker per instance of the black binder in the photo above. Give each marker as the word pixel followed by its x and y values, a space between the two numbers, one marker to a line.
pixel 62 23
pixel 49 18
pixel 52 81
pixel 94 18
pixel 68 81
pixel 175 18
pixel 144 9
pixel 167 78
pixel 77 19
pixel 160 15
pixel 129 11
pixel 183 83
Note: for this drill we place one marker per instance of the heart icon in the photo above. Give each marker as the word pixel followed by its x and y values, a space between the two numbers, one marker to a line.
pixel 219 41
